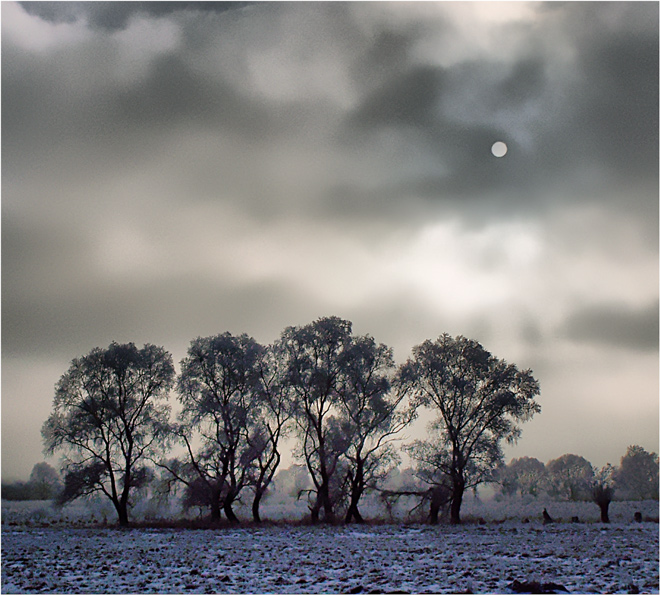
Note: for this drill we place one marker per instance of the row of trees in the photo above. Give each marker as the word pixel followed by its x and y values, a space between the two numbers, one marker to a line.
pixel 341 395
pixel 572 477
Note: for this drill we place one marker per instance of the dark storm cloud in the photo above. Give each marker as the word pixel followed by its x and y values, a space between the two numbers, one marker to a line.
pixel 615 325
pixel 116 15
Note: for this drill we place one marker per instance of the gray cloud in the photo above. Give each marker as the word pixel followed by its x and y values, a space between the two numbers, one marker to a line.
pixel 154 152
pixel 615 325
pixel 111 16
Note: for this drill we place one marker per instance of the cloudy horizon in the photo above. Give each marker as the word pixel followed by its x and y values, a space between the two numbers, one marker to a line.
pixel 180 169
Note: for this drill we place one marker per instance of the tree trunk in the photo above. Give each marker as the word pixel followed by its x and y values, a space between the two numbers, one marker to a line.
pixel 353 512
pixel 122 512
pixel 604 507
pixel 323 502
pixel 229 513
pixel 456 500
pixel 357 489
pixel 215 509
pixel 255 506
pixel 435 510
pixel 328 512
pixel 316 510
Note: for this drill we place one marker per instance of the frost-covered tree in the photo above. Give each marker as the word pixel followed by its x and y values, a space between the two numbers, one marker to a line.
pixel 274 411
pixel 478 401
pixel 525 475
pixel 219 390
pixel 369 409
pixel 110 416
pixel 45 482
pixel 602 490
pixel 570 477
pixel 315 357
pixel 637 475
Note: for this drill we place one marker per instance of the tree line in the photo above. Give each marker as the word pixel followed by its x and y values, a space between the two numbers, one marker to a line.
pixel 341 396
pixel 572 477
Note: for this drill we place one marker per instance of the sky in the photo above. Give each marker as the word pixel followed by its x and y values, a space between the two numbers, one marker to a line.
pixel 181 169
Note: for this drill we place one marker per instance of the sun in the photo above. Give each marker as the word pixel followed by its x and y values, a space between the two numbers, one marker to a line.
pixel 499 149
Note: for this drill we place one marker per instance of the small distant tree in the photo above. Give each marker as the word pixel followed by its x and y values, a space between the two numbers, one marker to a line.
pixel 45 481
pixel 637 476
pixel 479 401
pixel 570 477
pixel 602 490
pixel 110 416
pixel 525 475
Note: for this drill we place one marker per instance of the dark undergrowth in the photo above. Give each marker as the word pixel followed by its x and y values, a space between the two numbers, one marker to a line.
pixel 223 524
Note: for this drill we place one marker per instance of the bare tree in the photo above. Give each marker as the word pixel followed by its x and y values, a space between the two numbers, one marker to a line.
pixel 478 400
pixel 110 415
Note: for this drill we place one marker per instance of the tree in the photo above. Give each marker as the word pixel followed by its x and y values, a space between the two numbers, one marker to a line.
pixel 275 412
pixel 45 482
pixel 110 415
pixel 525 475
pixel 570 476
pixel 602 490
pixel 315 356
pixel 478 400
pixel 219 392
pixel 637 476
pixel 368 408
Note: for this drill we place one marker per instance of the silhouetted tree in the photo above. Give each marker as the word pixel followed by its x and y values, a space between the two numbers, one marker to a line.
pixel 110 415
pixel 315 356
pixel 219 392
pixel 602 490
pixel 637 476
pixel 478 400
pixel 570 476
pixel 368 408
pixel 275 411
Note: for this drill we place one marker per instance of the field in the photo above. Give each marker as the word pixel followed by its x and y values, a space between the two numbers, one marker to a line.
pixel 481 556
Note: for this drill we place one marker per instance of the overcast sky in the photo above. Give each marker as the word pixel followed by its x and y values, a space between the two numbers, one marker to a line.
pixel 172 170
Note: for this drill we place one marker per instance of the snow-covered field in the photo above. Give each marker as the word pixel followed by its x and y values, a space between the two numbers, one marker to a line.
pixel 480 558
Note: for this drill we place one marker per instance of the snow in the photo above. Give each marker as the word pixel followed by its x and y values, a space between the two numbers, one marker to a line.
pixel 481 558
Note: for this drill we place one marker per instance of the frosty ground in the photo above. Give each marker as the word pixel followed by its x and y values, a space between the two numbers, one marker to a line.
pixel 481 558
